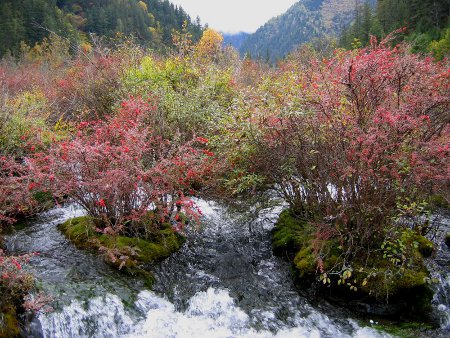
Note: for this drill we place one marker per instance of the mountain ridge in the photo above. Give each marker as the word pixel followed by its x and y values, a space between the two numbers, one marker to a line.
pixel 303 22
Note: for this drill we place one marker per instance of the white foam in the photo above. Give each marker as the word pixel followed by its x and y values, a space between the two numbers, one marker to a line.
pixel 102 317
pixel 214 314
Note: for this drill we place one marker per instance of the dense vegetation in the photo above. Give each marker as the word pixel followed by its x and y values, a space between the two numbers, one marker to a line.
pixel 151 21
pixel 426 23
pixel 356 144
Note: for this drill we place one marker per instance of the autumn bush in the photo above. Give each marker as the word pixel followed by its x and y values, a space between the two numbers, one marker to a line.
pixel 192 97
pixel 355 144
pixel 16 198
pixel 90 87
pixel 121 169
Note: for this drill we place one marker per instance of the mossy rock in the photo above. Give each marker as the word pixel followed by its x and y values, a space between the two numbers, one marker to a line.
pixel 425 246
pixel 290 234
pixel 405 330
pixel 9 324
pixel 81 232
pixel 376 286
pixel 291 239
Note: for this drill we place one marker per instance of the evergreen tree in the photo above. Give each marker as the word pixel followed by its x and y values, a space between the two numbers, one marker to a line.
pixel 425 21
pixel 152 22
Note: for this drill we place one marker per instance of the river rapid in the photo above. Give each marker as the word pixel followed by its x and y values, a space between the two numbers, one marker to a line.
pixel 224 282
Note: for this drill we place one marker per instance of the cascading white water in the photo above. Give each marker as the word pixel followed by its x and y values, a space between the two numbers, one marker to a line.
pixel 442 301
pixel 212 313
pixel 102 317
pixel 440 271
pixel 225 282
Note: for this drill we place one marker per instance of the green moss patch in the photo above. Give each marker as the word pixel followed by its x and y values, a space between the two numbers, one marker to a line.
pixel 405 330
pixel 9 324
pixel 134 252
pixel 392 278
pixel 290 234
pixel 438 202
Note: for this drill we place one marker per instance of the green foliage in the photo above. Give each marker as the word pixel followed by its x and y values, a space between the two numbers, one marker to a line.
pixel 438 201
pixel 240 182
pixel 192 100
pixel 25 125
pixel 152 21
pixel 365 24
pixel 425 22
pixel 20 119
pixel 30 21
pixel 441 48
pixel 400 246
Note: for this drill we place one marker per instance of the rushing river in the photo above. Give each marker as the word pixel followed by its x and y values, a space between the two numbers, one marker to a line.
pixel 225 282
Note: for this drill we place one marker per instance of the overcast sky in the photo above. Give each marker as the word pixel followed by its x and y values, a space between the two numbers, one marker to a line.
pixel 232 16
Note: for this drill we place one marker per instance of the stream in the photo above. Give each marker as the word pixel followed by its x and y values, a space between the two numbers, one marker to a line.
pixel 224 282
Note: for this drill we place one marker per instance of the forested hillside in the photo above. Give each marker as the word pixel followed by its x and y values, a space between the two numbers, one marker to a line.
pixel 150 21
pixel 303 22
pixel 426 23
pixel 235 40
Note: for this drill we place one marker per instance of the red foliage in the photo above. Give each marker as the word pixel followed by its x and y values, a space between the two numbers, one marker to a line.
pixel 15 282
pixel 120 169
pixel 15 190
pixel 364 132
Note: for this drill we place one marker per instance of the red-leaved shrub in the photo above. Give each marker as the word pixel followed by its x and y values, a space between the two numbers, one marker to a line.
pixel 353 140
pixel 120 169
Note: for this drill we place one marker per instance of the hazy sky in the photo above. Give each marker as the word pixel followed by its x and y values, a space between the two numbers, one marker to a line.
pixel 234 15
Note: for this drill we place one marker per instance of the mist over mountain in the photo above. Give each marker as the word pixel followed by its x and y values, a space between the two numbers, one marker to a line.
pixel 235 40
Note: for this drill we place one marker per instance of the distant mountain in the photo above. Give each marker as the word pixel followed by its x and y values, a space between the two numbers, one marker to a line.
pixel 303 22
pixel 235 40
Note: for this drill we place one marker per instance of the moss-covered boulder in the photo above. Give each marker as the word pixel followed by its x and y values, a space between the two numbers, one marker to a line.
pixel 390 281
pixel 130 254
pixel 406 330
pixel 9 324
pixel 289 235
